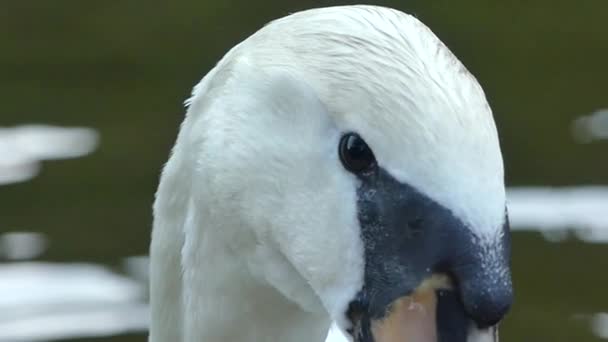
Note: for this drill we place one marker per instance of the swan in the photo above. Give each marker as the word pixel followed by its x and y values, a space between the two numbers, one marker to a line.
pixel 340 165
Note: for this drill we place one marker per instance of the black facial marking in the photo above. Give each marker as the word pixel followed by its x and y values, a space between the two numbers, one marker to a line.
pixel 452 322
pixel 361 330
pixel 407 237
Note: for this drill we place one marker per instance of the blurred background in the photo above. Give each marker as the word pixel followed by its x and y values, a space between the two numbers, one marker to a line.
pixel 91 96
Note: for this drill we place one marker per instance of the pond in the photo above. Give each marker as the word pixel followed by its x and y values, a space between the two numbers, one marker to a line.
pixel 92 96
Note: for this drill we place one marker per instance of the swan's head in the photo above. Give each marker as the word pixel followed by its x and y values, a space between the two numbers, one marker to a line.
pixel 353 163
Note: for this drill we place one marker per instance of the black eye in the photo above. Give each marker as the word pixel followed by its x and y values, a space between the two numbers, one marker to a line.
pixel 355 155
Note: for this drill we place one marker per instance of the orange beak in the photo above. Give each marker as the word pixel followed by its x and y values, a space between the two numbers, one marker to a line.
pixel 413 318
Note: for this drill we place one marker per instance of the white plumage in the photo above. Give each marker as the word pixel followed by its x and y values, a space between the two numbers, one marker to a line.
pixel 255 230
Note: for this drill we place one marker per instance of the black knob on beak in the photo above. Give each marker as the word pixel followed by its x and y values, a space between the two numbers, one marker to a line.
pixel 483 277
pixel 487 302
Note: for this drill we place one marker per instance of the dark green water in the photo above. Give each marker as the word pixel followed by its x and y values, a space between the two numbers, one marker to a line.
pixel 125 67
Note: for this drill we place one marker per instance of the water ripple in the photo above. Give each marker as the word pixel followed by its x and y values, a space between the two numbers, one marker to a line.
pixel 22 148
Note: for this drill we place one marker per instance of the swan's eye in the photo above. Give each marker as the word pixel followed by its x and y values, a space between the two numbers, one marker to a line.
pixel 355 155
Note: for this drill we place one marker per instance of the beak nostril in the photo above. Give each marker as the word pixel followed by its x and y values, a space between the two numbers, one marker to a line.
pixel 414 227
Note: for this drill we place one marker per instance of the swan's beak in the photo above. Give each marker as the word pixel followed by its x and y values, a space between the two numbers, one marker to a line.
pixel 428 277
pixel 427 315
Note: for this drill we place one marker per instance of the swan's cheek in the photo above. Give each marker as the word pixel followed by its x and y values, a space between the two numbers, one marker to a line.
pixel 278 272
pixel 316 230
pixel 330 262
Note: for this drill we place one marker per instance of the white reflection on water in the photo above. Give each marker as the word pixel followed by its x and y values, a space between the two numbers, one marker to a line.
pixel 137 268
pixel 591 127
pixel 22 148
pixel 555 211
pixel 22 245
pixel 43 301
pixel 92 322
pixel 599 325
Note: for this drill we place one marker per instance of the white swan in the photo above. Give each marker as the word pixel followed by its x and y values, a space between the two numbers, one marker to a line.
pixel 331 164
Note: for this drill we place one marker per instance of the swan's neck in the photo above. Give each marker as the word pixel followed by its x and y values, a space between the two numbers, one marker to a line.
pixel 223 302
pixel 202 290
